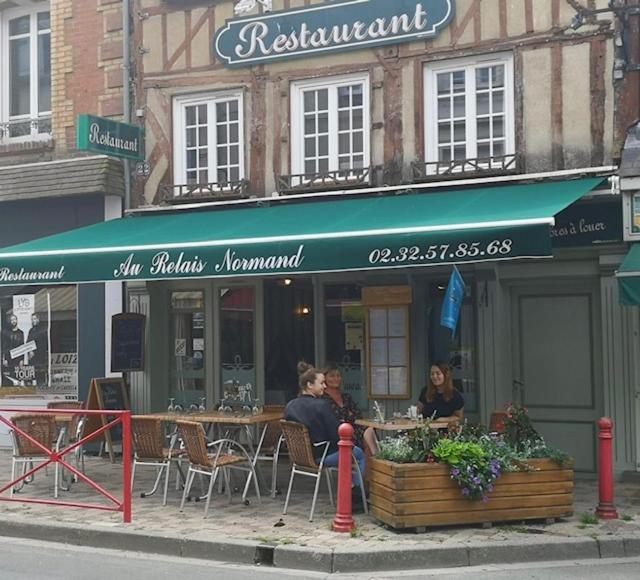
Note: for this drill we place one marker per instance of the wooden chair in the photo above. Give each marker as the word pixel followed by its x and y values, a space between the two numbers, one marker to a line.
pixel 148 443
pixel 227 454
pixel 43 429
pixel 303 460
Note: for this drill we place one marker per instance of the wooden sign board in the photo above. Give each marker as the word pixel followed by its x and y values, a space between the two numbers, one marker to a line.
pixel 104 394
pixel 127 342
pixel 386 295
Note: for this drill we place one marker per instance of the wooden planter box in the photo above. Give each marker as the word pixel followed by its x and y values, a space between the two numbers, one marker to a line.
pixel 414 495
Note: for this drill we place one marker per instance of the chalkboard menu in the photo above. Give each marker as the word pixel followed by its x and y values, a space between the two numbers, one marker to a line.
pixel 127 342
pixel 104 394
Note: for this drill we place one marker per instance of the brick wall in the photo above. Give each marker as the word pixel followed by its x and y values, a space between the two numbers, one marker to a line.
pixel 86 64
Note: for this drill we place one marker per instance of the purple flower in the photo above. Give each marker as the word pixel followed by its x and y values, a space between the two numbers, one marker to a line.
pixel 455 472
pixel 490 488
pixel 485 499
pixel 476 480
pixel 465 491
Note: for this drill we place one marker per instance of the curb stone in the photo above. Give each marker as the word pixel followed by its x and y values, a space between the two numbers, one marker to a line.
pixel 411 558
pixel 524 551
pixel 322 559
pixel 611 547
pixel 304 558
pixel 631 547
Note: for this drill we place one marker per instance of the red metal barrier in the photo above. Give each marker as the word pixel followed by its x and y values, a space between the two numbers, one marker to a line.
pixel 343 521
pixel 119 417
pixel 606 510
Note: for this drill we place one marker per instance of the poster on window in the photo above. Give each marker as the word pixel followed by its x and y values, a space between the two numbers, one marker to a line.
pixel 24 344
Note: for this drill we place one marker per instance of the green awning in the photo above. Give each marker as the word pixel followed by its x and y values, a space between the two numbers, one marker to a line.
pixel 629 277
pixel 293 237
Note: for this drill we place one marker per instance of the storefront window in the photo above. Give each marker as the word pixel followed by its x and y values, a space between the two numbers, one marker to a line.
pixel 187 363
pixel 345 338
pixel 38 341
pixel 237 341
pixel 460 350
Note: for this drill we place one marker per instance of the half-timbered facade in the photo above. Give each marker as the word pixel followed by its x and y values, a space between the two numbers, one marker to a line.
pixel 313 101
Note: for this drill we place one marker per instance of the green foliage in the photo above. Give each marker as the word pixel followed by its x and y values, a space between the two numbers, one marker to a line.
pixel 396 449
pixel 422 441
pixel 540 449
pixel 626 518
pixel 587 519
pixel 455 452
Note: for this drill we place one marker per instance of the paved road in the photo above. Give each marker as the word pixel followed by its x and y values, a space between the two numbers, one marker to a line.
pixel 31 560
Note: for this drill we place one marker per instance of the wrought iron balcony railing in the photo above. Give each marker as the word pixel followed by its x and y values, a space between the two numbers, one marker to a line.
pixel 204 191
pixel 459 168
pixel 23 128
pixel 312 182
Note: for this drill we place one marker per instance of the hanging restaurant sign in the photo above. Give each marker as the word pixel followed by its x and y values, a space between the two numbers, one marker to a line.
pixel 329 27
pixel 109 137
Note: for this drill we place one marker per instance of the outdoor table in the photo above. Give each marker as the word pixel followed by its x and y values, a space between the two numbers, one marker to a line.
pixel 240 420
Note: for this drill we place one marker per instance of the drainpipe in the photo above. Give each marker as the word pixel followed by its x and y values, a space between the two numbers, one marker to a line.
pixel 126 91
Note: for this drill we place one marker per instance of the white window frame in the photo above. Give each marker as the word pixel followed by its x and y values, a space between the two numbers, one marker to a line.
pixel 180 104
pixel 431 102
pixel 30 9
pixel 297 119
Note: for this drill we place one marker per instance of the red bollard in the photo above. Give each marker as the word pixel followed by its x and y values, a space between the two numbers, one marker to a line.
pixel 606 510
pixel 343 521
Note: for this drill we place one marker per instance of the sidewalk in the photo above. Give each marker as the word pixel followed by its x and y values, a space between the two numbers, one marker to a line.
pixel 259 533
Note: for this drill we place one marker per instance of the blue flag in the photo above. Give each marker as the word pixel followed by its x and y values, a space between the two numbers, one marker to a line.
pixel 452 301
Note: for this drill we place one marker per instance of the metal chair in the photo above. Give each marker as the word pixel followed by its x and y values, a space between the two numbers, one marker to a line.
pixel 227 454
pixel 74 430
pixel 270 446
pixel 149 450
pixel 304 462
pixel 43 429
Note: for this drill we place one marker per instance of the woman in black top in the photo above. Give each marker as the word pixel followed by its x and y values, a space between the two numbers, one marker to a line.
pixel 440 397
pixel 312 410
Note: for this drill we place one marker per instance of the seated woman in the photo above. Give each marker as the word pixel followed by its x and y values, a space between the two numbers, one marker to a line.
pixel 346 410
pixel 439 399
pixel 313 411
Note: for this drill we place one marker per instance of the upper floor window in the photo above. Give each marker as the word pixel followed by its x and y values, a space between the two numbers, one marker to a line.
pixel 209 139
pixel 25 73
pixel 469 112
pixel 330 126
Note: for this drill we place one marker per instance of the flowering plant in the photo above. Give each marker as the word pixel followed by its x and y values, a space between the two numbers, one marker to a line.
pixel 517 425
pixel 471 467
pixel 396 449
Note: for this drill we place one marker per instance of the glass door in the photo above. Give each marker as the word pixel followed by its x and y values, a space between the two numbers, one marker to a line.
pixel 237 343
pixel 187 354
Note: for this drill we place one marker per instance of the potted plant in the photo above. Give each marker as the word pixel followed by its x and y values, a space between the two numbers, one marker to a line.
pixel 425 478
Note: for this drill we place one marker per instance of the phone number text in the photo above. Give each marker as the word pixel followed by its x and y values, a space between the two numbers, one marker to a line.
pixel 441 252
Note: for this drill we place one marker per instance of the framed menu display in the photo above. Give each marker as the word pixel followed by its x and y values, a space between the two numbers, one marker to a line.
pixel 388 347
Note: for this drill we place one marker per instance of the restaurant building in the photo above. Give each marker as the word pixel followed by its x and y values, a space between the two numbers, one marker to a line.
pixel 54 64
pixel 317 168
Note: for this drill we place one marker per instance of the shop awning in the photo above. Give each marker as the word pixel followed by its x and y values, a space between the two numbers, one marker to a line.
pixel 285 237
pixel 629 277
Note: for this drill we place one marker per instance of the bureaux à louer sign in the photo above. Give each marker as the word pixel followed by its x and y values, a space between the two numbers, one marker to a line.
pixel 326 28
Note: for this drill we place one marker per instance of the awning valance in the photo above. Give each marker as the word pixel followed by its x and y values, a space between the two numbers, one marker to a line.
pixel 629 277
pixel 412 229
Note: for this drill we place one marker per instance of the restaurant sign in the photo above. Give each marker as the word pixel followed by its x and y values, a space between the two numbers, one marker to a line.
pixel 110 137
pixel 326 28
pixel 224 259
